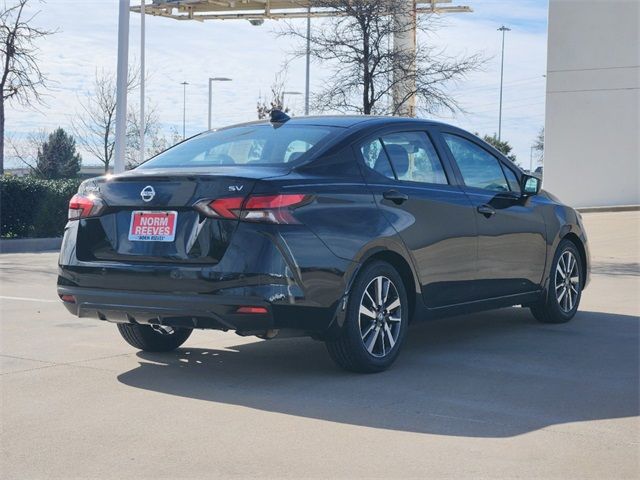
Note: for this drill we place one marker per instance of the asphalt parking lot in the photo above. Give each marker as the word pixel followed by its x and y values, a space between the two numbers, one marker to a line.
pixel 487 395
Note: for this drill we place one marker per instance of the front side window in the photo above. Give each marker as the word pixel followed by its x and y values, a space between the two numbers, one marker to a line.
pixel 512 179
pixel 246 145
pixel 478 167
pixel 414 157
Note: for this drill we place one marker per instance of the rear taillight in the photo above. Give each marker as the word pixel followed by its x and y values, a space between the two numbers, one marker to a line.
pixel 83 207
pixel 256 208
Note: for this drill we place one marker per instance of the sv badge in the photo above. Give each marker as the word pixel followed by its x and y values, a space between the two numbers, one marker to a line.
pixel 235 188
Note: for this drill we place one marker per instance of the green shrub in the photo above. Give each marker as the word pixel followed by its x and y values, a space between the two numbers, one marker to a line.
pixel 31 207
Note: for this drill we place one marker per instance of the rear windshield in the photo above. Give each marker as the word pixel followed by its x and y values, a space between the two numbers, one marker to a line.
pixel 249 145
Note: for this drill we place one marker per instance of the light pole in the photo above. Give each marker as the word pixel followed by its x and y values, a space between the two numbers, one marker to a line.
pixel 502 29
pixel 142 73
pixel 308 64
pixel 531 159
pixel 121 87
pixel 211 80
pixel 184 108
pixel 288 93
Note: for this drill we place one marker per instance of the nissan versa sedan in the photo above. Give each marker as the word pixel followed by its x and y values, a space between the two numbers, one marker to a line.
pixel 341 228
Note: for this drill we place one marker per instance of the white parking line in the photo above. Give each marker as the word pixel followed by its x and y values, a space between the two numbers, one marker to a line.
pixel 25 299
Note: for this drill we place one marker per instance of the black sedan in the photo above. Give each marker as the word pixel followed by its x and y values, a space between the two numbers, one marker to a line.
pixel 341 228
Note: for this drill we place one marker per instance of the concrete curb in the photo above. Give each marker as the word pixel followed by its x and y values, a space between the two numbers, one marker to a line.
pixel 613 208
pixel 27 245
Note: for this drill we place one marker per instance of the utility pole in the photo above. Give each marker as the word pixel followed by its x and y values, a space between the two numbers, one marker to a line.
pixel 502 29
pixel 184 109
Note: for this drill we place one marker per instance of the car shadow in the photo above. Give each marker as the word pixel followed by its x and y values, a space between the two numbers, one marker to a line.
pixel 494 374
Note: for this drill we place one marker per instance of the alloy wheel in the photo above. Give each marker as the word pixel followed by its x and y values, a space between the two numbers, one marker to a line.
pixel 567 281
pixel 380 316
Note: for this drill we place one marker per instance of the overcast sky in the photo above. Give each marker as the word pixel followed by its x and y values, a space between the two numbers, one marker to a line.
pixel 86 41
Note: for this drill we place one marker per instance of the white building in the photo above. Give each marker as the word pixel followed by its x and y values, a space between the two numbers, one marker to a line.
pixel 592 144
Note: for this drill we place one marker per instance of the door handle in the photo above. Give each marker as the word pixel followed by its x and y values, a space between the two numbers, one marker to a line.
pixel 395 196
pixel 486 210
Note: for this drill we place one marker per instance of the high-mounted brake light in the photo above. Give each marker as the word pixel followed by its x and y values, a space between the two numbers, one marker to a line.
pixel 256 208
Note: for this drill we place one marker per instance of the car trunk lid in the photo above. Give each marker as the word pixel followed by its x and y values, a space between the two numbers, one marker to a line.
pixel 149 215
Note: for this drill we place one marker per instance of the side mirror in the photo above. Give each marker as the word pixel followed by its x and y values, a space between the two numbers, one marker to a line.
pixel 530 185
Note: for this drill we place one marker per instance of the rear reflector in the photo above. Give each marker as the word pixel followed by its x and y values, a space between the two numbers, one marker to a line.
pixel 258 310
pixel 68 298
pixel 256 208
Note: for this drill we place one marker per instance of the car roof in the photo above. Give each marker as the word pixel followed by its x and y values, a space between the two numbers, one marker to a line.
pixel 345 121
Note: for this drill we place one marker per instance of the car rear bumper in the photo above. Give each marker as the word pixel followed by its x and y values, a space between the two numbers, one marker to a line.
pixel 218 312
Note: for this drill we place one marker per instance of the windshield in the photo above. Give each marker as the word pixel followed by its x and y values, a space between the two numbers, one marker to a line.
pixel 258 145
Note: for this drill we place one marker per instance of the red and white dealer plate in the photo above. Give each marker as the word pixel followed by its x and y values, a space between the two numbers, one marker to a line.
pixel 153 226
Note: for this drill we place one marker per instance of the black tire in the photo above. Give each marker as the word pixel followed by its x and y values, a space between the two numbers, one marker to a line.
pixel 145 337
pixel 554 309
pixel 349 350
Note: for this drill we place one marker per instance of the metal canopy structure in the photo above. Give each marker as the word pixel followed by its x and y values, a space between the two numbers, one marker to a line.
pixel 264 9
pixel 255 11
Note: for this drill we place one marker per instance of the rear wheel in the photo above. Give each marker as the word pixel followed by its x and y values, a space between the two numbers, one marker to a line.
pixel 153 338
pixel 565 286
pixel 376 321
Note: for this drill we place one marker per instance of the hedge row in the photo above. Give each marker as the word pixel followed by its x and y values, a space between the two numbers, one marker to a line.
pixel 31 207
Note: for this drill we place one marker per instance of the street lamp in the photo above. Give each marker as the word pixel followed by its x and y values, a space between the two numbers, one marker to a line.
pixel 211 80
pixel 502 29
pixel 289 93
pixel 184 108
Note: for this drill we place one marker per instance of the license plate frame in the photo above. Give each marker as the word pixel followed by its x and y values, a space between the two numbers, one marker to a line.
pixel 160 226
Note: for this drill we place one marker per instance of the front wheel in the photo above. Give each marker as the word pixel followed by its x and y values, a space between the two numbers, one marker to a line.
pixel 565 286
pixel 153 338
pixel 376 321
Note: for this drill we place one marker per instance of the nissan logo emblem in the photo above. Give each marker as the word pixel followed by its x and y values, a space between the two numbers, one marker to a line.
pixel 148 193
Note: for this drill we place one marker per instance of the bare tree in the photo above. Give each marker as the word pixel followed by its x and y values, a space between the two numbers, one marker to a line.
pixel 21 78
pixel 95 124
pixel 276 102
pixel 156 141
pixel 26 150
pixel 357 45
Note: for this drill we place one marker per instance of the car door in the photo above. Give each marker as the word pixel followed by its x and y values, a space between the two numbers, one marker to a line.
pixel 511 231
pixel 432 215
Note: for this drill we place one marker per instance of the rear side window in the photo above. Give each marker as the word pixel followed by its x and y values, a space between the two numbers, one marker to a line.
pixel 246 145
pixel 414 157
pixel 376 158
pixel 478 167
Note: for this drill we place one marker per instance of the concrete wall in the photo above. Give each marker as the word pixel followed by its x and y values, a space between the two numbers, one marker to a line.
pixel 592 127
